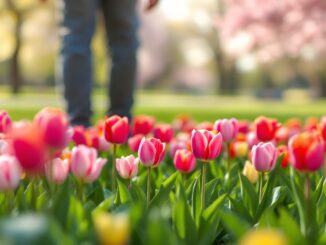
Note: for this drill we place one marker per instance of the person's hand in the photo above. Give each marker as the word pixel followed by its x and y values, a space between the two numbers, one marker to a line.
pixel 151 4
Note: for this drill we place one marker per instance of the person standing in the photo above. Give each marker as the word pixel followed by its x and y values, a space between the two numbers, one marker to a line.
pixel 77 27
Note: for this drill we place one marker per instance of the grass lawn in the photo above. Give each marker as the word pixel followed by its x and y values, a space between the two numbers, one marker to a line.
pixel 166 106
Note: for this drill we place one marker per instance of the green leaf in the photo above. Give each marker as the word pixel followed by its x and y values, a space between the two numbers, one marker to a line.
pixel 183 221
pixel 248 194
pixel 163 193
pixel 196 202
pixel 291 229
pixel 123 195
pixel 210 221
pixel 61 203
pixel 211 209
pixel 239 208
pixel 233 223
pixel 210 188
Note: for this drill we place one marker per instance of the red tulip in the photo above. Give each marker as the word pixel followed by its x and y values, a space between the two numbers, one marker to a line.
pixel 205 144
pixel 5 122
pixel 143 124
pixel 323 127
pixel 134 142
pixel 163 132
pixel 151 152
pixel 306 151
pixel 116 129
pixel 228 128
pixel 79 135
pixel 184 161
pixel 244 126
pixel 263 156
pixel 54 125
pixel 266 128
pixel 29 147
pixel 282 150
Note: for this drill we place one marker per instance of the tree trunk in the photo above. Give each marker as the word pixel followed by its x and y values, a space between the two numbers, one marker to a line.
pixel 15 73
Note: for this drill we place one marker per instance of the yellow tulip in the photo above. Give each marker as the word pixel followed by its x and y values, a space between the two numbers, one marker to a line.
pixel 264 237
pixel 250 172
pixel 241 148
pixel 112 229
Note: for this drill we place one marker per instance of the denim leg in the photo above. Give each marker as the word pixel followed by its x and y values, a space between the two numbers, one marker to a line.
pixel 121 25
pixel 77 25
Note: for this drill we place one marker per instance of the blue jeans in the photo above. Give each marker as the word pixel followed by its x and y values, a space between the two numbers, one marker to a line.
pixel 77 26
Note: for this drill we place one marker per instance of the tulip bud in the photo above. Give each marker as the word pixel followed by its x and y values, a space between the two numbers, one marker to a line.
pixel 163 132
pixel 10 173
pixel 84 163
pixel 54 125
pixel 306 152
pixel 5 122
pixel 127 167
pixel 184 161
pixel 250 172
pixel 151 152
pixel 264 156
pixel 228 128
pixel 57 170
pixel 116 129
pixel 266 128
pixel 206 145
pixel 112 229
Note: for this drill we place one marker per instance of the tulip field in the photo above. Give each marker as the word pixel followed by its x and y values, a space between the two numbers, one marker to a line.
pixel 226 181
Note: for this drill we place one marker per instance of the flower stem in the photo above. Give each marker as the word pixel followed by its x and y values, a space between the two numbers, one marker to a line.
pixel 203 182
pixel 80 190
pixel 113 167
pixel 260 186
pixel 307 202
pixel 228 146
pixel 148 185
pixel 130 184
pixel 9 201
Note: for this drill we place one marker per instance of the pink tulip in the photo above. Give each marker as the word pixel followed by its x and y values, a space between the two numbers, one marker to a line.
pixel 252 139
pixel 306 152
pixel 54 125
pixel 184 161
pixel 84 163
pixel 163 132
pixel 228 128
pixel 5 148
pixel 116 129
pixel 175 146
pixel 127 167
pixel 10 173
pixel 5 122
pixel 57 170
pixel 264 156
pixel 134 142
pixel 151 152
pixel 205 144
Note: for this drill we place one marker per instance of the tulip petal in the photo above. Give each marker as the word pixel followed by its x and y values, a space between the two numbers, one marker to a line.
pixel 214 147
pixel 146 152
pixel 198 144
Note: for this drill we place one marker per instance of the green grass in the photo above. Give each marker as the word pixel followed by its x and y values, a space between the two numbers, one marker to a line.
pixel 166 106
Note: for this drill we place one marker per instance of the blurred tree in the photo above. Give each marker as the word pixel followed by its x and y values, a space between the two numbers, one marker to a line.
pixel 19 10
pixel 273 29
